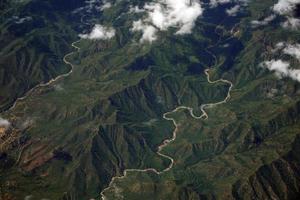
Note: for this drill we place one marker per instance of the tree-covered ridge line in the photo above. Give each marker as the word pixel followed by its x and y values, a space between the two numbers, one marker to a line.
pixel 68 139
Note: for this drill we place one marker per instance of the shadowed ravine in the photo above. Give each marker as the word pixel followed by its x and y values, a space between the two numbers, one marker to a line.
pixel 166 142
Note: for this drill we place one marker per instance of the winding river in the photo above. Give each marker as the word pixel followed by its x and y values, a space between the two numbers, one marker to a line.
pixel 52 80
pixel 166 142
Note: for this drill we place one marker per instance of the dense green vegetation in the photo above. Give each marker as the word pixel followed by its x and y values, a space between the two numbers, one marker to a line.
pixel 69 139
pixel 33 40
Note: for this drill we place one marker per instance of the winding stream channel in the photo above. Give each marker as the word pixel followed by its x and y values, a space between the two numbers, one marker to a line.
pixel 52 80
pixel 166 142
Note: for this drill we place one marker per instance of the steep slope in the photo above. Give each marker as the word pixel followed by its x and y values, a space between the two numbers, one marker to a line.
pixel 216 158
pixel 68 139
pixel 34 37
pixel 86 126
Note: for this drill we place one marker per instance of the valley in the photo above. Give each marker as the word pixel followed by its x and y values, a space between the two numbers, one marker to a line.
pixel 119 114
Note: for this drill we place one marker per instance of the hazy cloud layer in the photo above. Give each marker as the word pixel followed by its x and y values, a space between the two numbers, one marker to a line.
pixel 99 32
pixel 163 14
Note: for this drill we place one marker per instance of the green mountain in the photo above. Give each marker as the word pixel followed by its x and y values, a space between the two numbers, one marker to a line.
pixel 112 107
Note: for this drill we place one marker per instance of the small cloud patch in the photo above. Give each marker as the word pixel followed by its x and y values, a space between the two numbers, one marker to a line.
pixel 263 22
pixel 4 123
pixel 99 32
pixel 233 11
pixel 282 68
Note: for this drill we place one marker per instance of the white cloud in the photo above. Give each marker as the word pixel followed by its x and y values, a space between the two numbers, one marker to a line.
pixel 91 5
pixel 278 66
pixel 279 47
pixel 4 123
pixel 136 9
pixel 292 50
pixel 99 32
pixel 106 5
pixel 284 7
pixel 149 31
pixel 164 14
pixel 282 69
pixel 233 11
pixel 20 20
pixel 292 23
pixel 264 22
pixel 215 3
pixel 288 49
